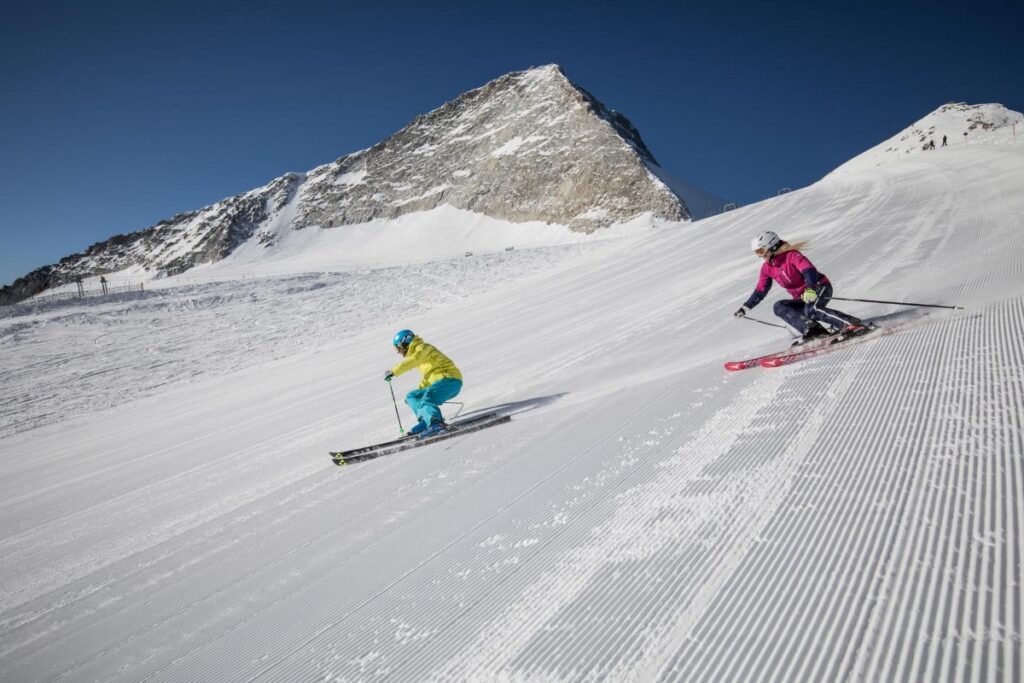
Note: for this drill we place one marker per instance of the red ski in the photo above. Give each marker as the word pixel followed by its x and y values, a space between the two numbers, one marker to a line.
pixel 831 344
pixel 735 365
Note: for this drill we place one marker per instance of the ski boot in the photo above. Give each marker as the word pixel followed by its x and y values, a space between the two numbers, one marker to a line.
pixel 434 429
pixel 854 330
pixel 814 331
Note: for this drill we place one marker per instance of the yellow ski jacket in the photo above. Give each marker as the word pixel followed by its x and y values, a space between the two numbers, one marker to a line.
pixel 432 363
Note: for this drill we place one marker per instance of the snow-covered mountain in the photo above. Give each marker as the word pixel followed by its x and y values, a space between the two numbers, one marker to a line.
pixel 529 147
pixel 957 123
pixel 168 511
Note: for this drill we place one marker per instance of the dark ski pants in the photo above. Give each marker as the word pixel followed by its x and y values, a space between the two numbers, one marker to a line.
pixel 426 402
pixel 798 315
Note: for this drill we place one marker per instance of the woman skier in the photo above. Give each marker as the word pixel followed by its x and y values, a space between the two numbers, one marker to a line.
pixel 806 312
pixel 441 381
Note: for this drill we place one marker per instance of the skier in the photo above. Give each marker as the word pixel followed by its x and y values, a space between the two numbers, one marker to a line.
pixel 806 312
pixel 441 381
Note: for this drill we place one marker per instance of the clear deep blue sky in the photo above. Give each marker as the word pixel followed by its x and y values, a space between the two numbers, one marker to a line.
pixel 115 115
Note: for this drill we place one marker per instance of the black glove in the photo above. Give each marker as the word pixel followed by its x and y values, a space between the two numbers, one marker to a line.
pixel 741 312
pixel 388 375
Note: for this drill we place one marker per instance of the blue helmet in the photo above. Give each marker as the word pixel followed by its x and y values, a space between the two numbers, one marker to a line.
pixel 402 338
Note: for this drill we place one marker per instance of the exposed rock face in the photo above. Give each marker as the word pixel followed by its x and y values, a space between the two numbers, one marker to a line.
pixel 172 246
pixel 529 146
pixel 28 285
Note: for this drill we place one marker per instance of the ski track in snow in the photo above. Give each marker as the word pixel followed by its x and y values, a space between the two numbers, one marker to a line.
pixel 645 516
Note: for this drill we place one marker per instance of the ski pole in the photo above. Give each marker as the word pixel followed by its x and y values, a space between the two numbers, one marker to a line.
pixel 458 412
pixel 401 430
pixel 755 320
pixel 897 303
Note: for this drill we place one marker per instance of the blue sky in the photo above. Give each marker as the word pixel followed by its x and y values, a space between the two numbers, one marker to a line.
pixel 115 115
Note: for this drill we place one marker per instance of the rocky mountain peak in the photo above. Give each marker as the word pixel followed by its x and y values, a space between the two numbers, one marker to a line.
pixel 528 146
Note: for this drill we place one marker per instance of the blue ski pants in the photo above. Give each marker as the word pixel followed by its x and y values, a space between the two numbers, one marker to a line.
pixel 426 403
pixel 798 315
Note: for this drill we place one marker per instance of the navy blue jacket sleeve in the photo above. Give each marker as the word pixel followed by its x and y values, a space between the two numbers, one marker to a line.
pixel 758 295
pixel 811 277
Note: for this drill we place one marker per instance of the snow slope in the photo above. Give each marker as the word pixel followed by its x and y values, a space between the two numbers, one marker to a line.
pixel 959 123
pixel 168 511
pixel 440 234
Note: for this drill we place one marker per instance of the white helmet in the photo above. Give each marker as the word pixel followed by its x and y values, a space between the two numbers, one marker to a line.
pixel 766 240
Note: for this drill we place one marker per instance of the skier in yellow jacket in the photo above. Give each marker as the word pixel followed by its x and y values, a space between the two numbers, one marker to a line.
pixel 441 381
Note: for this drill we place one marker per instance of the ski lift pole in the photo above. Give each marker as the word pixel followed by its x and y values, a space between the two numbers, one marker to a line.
pixel 897 303
pixel 401 430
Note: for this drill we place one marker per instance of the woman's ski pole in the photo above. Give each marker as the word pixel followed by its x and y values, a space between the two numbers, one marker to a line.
pixel 896 303
pixel 755 320
pixel 401 430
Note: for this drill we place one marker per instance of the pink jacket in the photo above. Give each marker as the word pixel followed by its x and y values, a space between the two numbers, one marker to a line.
pixel 792 270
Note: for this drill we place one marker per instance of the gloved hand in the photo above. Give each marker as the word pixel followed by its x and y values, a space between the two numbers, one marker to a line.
pixel 740 313
pixel 809 296
pixel 388 375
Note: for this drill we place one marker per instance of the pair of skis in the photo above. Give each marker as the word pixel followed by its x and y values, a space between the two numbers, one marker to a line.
pixel 463 426
pixel 803 352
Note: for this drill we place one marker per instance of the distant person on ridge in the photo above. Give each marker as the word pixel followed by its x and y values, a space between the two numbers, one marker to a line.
pixel 441 381
pixel 806 312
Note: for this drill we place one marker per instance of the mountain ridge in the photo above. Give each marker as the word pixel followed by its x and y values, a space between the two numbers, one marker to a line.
pixel 527 146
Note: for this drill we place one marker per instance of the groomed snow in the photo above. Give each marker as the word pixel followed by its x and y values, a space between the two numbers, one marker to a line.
pixel 168 510
pixel 411 240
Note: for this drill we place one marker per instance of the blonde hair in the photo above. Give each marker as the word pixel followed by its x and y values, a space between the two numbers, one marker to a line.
pixel 792 246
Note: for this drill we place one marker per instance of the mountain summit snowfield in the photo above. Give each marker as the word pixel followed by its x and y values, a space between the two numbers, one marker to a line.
pixel 168 511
